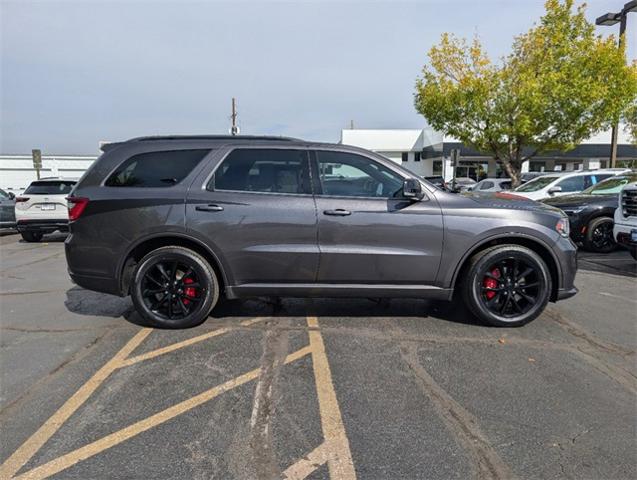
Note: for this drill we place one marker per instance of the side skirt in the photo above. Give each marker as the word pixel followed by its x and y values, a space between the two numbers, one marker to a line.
pixel 330 290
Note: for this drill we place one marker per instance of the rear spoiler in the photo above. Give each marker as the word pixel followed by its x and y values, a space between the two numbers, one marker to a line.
pixel 105 147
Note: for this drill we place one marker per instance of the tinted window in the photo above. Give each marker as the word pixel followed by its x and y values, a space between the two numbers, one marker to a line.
pixel 350 175
pixel 573 184
pixel 505 185
pixel 155 169
pixel 49 188
pixel 3 194
pixel 264 170
pixel 486 185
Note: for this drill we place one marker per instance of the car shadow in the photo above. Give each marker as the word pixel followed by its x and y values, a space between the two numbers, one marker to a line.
pixel 618 262
pixel 87 302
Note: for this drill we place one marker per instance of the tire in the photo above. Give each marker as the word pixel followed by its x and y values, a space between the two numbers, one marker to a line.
pixel 183 306
pixel 499 302
pixel 32 236
pixel 599 235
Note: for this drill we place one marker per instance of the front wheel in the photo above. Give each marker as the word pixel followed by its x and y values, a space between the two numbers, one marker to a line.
pixel 507 285
pixel 599 235
pixel 174 287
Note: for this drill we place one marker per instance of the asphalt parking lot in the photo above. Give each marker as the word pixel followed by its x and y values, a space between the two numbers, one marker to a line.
pixel 313 389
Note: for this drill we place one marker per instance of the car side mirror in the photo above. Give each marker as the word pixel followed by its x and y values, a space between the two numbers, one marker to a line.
pixel 11 196
pixel 554 190
pixel 412 189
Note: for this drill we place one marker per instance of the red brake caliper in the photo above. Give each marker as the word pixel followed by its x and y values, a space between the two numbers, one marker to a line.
pixel 491 283
pixel 189 291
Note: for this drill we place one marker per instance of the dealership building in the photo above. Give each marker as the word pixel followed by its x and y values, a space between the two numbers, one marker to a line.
pixel 423 151
pixel 427 153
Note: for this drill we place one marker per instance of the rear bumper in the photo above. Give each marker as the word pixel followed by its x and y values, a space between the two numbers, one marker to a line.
pixel 42 226
pixel 97 284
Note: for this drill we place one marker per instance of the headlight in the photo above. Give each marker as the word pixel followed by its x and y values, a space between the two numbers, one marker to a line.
pixel 573 211
pixel 563 227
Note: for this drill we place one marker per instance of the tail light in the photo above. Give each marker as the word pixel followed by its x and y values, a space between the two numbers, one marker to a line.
pixel 76 207
pixel 21 199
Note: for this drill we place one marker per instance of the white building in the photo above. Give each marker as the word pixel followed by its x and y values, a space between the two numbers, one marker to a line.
pixel 17 172
pixel 426 152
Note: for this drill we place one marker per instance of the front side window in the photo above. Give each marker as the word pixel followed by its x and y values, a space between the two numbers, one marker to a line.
pixel 350 175
pixel 573 184
pixel 50 188
pixel 264 171
pixel 156 169
pixel 536 184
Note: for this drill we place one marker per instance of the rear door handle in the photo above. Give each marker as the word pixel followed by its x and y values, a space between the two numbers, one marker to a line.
pixel 209 208
pixel 339 212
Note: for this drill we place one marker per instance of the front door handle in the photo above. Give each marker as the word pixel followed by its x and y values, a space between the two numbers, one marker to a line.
pixel 209 208
pixel 339 212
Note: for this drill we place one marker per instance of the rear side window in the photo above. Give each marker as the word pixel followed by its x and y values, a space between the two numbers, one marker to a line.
pixel 156 169
pixel 50 188
pixel 263 170
pixel 573 184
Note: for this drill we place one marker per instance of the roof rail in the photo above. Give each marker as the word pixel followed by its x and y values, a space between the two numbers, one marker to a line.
pixel 214 137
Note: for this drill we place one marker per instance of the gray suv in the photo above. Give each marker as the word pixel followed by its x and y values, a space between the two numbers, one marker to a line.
pixel 176 222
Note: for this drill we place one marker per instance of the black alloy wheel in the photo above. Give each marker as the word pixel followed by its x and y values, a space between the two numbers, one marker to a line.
pixel 507 285
pixel 174 287
pixel 599 235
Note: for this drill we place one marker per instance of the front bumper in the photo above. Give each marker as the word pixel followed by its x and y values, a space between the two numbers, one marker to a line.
pixel 42 226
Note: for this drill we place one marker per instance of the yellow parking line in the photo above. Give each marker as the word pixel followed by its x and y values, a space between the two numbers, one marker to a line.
pixel 23 454
pixel 185 343
pixel 115 438
pixel 308 464
pixel 339 460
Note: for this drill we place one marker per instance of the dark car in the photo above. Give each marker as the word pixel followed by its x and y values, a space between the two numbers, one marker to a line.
pixel 7 209
pixel 590 212
pixel 176 222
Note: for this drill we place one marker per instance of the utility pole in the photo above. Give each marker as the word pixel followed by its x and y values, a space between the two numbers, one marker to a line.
pixel 234 129
pixel 351 124
pixel 607 20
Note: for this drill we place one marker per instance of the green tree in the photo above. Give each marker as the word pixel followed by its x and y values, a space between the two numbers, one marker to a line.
pixel 560 84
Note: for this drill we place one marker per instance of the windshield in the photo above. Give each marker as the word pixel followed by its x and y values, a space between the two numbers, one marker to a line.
pixel 610 185
pixel 536 184
pixel 50 188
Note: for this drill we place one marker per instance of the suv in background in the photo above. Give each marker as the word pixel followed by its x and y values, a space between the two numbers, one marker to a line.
pixel 491 185
pixel 42 208
pixel 175 222
pixel 625 228
pixel 558 183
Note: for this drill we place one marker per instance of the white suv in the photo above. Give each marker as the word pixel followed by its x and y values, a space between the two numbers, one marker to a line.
pixel 554 184
pixel 625 228
pixel 42 208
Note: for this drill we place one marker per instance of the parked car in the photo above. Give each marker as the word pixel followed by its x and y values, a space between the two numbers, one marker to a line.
pixel 7 209
pixel 625 228
pixel 42 208
pixel 438 181
pixel 556 184
pixel 177 221
pixel 491 185
pixel 591 212
pixel 463 184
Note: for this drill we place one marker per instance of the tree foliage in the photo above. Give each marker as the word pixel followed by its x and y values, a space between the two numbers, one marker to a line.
pixel 560 84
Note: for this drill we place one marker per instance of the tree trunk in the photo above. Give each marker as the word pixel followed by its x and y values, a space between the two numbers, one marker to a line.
pixel 513 169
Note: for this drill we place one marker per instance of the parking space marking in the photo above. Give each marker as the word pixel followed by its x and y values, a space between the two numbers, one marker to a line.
pixel 185 343
pixel 115 438
pixel 304 467
pixel 29 448
pixel 339 459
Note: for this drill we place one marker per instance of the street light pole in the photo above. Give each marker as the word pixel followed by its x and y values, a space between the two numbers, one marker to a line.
pixel 607 20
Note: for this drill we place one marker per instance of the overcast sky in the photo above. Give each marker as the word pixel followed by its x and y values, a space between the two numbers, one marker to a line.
pixel 77 72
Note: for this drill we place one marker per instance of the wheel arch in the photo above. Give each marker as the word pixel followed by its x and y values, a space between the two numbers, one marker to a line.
pixel 539 247
pixel 136 252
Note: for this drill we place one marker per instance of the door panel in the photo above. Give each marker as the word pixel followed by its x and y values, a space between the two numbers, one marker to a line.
pixel 370 240
pixel 257 219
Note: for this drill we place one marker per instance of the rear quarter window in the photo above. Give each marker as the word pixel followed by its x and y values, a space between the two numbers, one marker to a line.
pixel 156 169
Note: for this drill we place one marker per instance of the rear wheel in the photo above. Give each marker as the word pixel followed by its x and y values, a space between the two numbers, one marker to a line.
pixel 599 235
pixel 174 287
pixel 32 236
pixel 507 285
